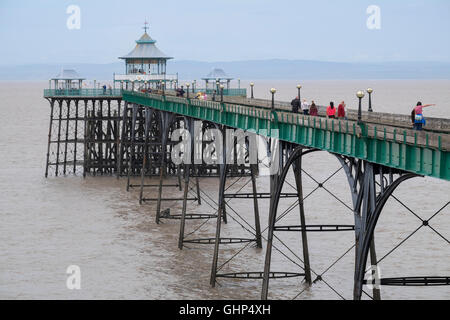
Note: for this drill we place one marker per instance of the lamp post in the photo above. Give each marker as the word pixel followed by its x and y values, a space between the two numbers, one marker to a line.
pixel 187 88
pixel 369 91
pixel 272 91
pixel 251 89
pixel 193 86
pixel 360 95
pixel 221 93
pixel 299 87
pixel 239 83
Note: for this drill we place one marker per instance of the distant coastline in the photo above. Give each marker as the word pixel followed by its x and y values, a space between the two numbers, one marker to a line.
pixel 273 69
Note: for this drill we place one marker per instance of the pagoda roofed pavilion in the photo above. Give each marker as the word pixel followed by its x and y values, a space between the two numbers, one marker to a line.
pixel 67 79
pixel 218 77
pixel 146 63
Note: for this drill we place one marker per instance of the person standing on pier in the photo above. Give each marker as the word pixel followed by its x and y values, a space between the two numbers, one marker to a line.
pixel 180 92
pixel 419 119
pixel 313 111
pixel 305 107
pixel 295 105
pixel 341 110
pixel 331 110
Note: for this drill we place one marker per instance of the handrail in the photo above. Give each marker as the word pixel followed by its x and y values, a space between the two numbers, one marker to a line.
pixel 82 92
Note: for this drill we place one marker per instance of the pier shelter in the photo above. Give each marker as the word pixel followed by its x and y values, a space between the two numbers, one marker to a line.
pixel 146 63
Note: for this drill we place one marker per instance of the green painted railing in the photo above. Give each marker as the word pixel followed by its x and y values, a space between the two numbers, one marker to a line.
pixel 410 151
pixel 82 92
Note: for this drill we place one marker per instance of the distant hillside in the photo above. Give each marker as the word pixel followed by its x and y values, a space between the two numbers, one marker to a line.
pixel 254 69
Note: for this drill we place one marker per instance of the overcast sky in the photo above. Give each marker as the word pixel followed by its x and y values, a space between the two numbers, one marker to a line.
pixel 36 32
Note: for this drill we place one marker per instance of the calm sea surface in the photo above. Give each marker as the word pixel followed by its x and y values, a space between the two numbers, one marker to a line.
pixel 94 223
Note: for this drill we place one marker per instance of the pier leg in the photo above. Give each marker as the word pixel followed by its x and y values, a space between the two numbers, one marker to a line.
pixel 183 212
pixel 372 206
pixel 272 216
pixel 75 139
pixel 297 166
pixel 373 259
pixel 86 130
pixel 158 203
pixel 223 170
pixel 99 139
pixel 117 141
pixel 132 146
pixel 197 184
pixel 66 137
pixel 255 207
pixel 180 187
pixel 146 155
pixel 124 140
pixel 59 136
pixel 52 105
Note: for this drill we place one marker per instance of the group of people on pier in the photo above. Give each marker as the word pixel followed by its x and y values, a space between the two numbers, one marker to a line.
pixel 332 112
pixel 312 110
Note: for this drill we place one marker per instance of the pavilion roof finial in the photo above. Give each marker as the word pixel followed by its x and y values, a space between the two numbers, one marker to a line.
pixel 145 26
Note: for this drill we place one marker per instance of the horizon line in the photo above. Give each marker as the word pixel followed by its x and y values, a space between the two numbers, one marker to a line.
pixel 237 61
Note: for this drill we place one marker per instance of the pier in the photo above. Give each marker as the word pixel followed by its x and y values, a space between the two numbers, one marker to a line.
pixel 131 132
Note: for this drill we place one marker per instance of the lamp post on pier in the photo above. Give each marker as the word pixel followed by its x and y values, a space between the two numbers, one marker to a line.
pixel 187 88
pixel 273 91
pixel 299 87
pixel 251 89
pixel 360 95
pixel 369 91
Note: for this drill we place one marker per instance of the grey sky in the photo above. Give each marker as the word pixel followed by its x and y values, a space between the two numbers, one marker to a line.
pixel 35 31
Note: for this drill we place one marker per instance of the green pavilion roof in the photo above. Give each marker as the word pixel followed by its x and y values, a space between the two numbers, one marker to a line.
pixel 146 49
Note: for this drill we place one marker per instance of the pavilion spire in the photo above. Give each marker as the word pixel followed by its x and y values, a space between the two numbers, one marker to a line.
pixel 145 26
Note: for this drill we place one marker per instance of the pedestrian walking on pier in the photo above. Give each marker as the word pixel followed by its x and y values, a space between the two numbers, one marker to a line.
pixel 341 110
pixel 180 92
pixel 331 110
pixel 313 111
pixel 104 89
pixel 419 119
pixel 305 107
pixel 295 105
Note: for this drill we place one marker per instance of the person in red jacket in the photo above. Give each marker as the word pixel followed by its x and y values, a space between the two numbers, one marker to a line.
pixel 331 111
pixel 313 111
pixel 341 110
